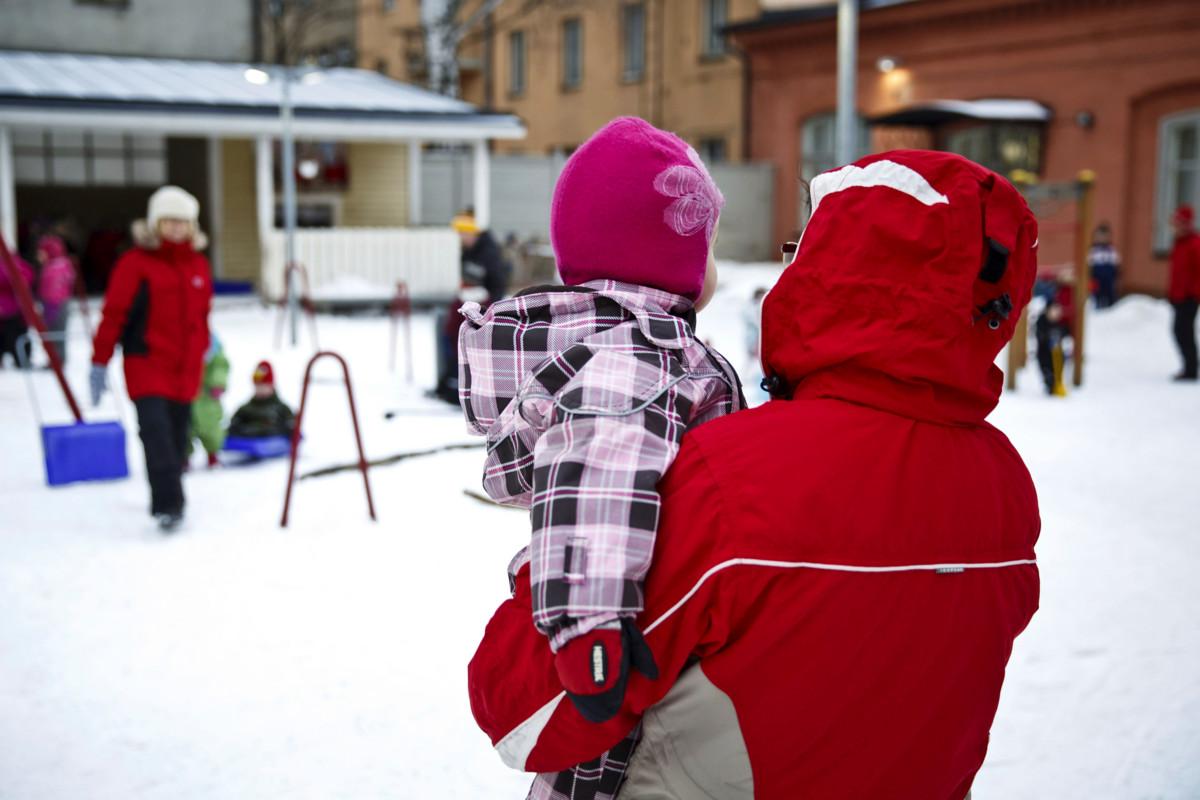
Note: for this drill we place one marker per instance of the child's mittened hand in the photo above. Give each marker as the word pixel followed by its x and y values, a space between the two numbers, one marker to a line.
pixel 594 668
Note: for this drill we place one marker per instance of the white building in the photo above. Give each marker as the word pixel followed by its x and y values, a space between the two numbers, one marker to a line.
pixel 88 138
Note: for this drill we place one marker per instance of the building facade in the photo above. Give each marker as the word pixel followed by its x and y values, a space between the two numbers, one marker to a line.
pixel 566 67
pixel 217 30
pixel 1118 80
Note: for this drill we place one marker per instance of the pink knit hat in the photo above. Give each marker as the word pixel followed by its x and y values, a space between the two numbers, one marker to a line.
pixel 635 204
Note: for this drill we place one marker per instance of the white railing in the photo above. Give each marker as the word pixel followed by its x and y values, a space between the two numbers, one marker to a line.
pixel 366 263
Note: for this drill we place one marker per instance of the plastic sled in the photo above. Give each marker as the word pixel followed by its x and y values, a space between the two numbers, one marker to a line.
pixel 258 448
pixel 84 451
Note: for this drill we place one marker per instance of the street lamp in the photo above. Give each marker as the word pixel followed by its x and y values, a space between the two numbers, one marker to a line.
pixel 286 75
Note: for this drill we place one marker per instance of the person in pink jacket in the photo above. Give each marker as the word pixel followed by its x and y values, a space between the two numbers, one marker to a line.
pixel 55 284
pixel 12 323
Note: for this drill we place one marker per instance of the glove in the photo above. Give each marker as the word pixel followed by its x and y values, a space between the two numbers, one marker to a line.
pixel 594 667
pixel 98 382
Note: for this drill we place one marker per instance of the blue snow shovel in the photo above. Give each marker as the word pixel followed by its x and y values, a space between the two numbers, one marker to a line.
pixel 79 451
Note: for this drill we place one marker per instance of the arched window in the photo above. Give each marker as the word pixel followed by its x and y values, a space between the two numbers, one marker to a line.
pixel 1178 171
pixel 818 151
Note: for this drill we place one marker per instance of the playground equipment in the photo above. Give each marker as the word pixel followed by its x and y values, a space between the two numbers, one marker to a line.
pixel 296 433
pixel 306 304
pixel 401 307
pixel 83 451
pixel 1047 201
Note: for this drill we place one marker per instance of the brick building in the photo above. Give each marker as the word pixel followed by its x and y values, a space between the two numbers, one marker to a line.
pixel 1107 85
pixel 566 67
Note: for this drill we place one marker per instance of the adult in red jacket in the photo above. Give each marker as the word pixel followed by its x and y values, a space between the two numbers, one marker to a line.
pixel 839 575
pixel 157 307
pixel 1184 289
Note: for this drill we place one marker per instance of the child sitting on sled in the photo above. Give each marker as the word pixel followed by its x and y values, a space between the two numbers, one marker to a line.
pixel 264 414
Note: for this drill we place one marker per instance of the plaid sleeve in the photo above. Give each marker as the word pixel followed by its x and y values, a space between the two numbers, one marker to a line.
pixel 598 779
pixel 616 428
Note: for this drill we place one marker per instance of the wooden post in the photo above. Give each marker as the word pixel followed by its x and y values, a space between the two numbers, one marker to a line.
pixel 1083 216
pixel 1018 350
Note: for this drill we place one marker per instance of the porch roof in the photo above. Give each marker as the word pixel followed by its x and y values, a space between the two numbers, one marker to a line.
pixel 215 98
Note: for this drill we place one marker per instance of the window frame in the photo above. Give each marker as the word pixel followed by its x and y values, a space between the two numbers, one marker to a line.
pixel 629 75
pixel 703 147
pixel 517 88
pixel 1166 178
pixel 567 84
pixel 709 30
pixel 827 158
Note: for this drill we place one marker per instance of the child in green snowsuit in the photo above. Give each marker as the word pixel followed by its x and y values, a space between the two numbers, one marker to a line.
pixel 208 417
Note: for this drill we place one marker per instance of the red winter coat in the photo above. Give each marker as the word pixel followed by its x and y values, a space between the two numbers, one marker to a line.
pixel 838 576
pixel 1185 269
pixel 157 307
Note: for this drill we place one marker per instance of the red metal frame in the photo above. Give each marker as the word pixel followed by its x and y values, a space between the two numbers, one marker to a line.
pixel 362 459
pixel 306 303
pixel 35 321
pixel 401 307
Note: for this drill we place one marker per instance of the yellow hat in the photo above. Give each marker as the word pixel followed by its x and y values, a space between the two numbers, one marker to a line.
pixel 464 223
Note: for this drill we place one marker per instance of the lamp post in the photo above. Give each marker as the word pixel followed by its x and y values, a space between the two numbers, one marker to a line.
pixel 285 75
pixel 847 55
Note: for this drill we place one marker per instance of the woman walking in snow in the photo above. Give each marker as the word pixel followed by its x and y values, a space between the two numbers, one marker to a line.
pixel 157 307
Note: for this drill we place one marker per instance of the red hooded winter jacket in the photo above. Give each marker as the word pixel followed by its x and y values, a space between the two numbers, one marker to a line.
pixel 157 307
pixel 1185 269
pixel 848 565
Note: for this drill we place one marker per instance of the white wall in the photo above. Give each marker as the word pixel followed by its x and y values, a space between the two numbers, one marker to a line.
pixel 522 187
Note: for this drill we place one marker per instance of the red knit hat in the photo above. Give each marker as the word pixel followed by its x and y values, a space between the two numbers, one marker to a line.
pixel 635 204
pixel 263 374
pixel 1184 214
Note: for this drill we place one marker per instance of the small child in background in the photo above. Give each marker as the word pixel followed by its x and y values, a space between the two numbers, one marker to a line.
pixel 1105 264
pixel 56 282
pixel 264 414
pixel 208 418
pixel 752 322
pixel 1053 326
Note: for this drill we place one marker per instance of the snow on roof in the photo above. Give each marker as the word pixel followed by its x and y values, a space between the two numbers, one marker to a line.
pixel 71 81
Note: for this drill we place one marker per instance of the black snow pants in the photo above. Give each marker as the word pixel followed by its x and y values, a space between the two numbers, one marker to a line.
pixel 163 427
pixel 1185 334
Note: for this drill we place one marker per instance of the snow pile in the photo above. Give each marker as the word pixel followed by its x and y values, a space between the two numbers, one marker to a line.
pixel 329 659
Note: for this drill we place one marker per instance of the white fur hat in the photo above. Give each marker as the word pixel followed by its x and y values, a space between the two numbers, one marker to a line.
pixel 173 203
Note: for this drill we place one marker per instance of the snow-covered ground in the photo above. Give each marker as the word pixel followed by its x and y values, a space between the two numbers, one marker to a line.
pixel 239 660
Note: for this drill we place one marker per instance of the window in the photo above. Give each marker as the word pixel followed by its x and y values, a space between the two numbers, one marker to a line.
pixel 516 62
pixel 389 5
pixel 818 152
pixel 79 158
pixel 713 16
pixel 633 31
pixel 572 53
pixel 713 151
pixel 1001 147
pixel 1178 172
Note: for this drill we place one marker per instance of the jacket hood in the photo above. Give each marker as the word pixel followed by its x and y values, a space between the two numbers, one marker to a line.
pixel 147 238
pixel 52 246
pixel 909 279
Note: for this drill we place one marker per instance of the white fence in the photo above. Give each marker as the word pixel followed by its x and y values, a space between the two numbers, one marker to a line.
pixel 522 187
pixel 355 264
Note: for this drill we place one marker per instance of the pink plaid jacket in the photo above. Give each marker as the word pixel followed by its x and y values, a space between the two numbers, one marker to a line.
pixel 584 394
